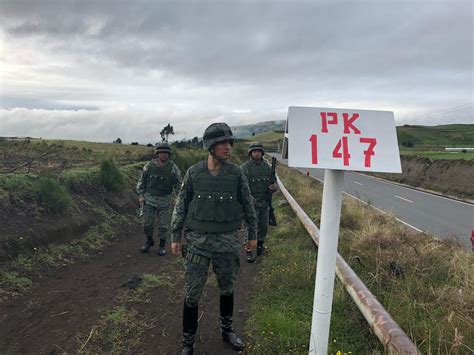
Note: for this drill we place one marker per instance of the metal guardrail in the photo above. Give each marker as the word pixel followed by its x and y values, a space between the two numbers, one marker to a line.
pixel 385 328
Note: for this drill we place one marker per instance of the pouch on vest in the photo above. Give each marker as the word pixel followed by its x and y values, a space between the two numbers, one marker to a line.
pixel 204 207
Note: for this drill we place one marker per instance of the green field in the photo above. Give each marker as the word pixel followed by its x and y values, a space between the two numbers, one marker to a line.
pixel 455 135
pixel 272 141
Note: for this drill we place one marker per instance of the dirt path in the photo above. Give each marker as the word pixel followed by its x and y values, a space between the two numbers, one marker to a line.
pixel 48 318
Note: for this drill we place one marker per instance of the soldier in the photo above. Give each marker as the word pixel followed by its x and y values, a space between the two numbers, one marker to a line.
pixel 258 172
pixel 155 186
pixel 214 197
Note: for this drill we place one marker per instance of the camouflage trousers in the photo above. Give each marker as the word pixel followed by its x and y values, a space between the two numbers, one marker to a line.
pixel 225 265
pixel 261 210
pixel 163 213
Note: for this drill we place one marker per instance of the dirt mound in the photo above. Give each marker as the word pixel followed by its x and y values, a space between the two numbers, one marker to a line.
pixel 450 177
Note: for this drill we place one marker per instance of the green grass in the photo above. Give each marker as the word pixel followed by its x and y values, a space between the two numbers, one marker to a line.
pixel 52 157
pixel 438 154
pixel 110 176
pixel 21 185
pixel 271 141
pixel 456 135
pixel 80 178
pixel 14 280
pixel 148 283
pixel 184 158
pixel 118 331
pixel 120 328
pixel 433 302
pixel 53 195
pixel 281 310
pixel 265 137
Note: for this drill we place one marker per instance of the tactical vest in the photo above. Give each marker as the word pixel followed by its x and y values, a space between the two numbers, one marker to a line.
pixel 214 207
pixel 259 178
pixel 159 179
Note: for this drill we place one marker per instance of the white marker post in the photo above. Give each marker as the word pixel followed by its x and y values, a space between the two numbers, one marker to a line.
pixel 337 140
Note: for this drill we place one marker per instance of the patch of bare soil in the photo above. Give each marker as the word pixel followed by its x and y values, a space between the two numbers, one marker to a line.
pixel 450 177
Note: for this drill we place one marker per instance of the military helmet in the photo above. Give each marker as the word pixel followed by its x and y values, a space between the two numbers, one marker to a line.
pixel 163 147
pixel 215 133
pixel 256 146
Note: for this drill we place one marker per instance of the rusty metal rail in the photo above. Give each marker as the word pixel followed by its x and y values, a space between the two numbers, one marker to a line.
pixel 387 330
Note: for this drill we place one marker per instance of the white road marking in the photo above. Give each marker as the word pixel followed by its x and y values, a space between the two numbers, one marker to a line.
pixel 383 212
pixel 358 183
pixel 409 225
pixel 404 199
pixel 378 209
pixel 409 188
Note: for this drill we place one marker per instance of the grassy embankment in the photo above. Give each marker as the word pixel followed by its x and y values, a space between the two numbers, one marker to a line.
pixel 430 294
pixel 77 172
pixel 63 178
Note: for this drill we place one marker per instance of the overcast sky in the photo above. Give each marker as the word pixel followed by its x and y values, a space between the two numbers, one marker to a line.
pixel 98 70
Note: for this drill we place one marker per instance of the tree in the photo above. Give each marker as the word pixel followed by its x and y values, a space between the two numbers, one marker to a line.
pixel 165 132
pixel 118 141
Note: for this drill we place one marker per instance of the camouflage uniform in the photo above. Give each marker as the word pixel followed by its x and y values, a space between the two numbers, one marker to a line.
pixel 220 248
pixel 210 209
pixel 258 176
pixel 156 185
pixel 258 173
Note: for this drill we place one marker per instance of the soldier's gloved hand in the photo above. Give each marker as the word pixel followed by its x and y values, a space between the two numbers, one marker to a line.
pixel 176 248
pixel 251 245
pixel 141 199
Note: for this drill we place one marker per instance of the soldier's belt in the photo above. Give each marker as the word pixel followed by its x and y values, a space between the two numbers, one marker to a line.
pixel 197 259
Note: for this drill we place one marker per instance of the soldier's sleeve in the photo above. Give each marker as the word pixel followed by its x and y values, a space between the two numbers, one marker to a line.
pixel 141 185
pixel 242 167
pixel 181 208
pixel 176 178
pixel 245 200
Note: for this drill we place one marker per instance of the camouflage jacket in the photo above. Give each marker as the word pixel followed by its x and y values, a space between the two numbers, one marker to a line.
pixel 258 183
pixel 152 199
pixel 186 196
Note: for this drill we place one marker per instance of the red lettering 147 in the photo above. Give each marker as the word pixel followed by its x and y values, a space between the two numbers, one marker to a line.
pixel 345 155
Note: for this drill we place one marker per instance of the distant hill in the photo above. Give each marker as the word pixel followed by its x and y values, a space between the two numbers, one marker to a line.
pixel 258 128
pixel 453 135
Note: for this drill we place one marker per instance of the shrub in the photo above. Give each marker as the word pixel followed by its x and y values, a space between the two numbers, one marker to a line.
pixel 53 195
pixel 110 176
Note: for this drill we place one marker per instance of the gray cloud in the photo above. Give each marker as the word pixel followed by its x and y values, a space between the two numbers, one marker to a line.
pixel 212 59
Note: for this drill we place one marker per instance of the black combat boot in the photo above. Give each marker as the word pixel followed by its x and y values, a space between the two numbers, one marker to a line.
pixel 250 256
pixel 190 323
pixel 228 335
pixel 162 250
pixel 148 244
pixel 260 248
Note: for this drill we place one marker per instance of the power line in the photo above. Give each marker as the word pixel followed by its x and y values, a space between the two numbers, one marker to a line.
pixel 449 110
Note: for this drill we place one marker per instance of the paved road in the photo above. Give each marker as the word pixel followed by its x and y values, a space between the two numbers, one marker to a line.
pixel 440 216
